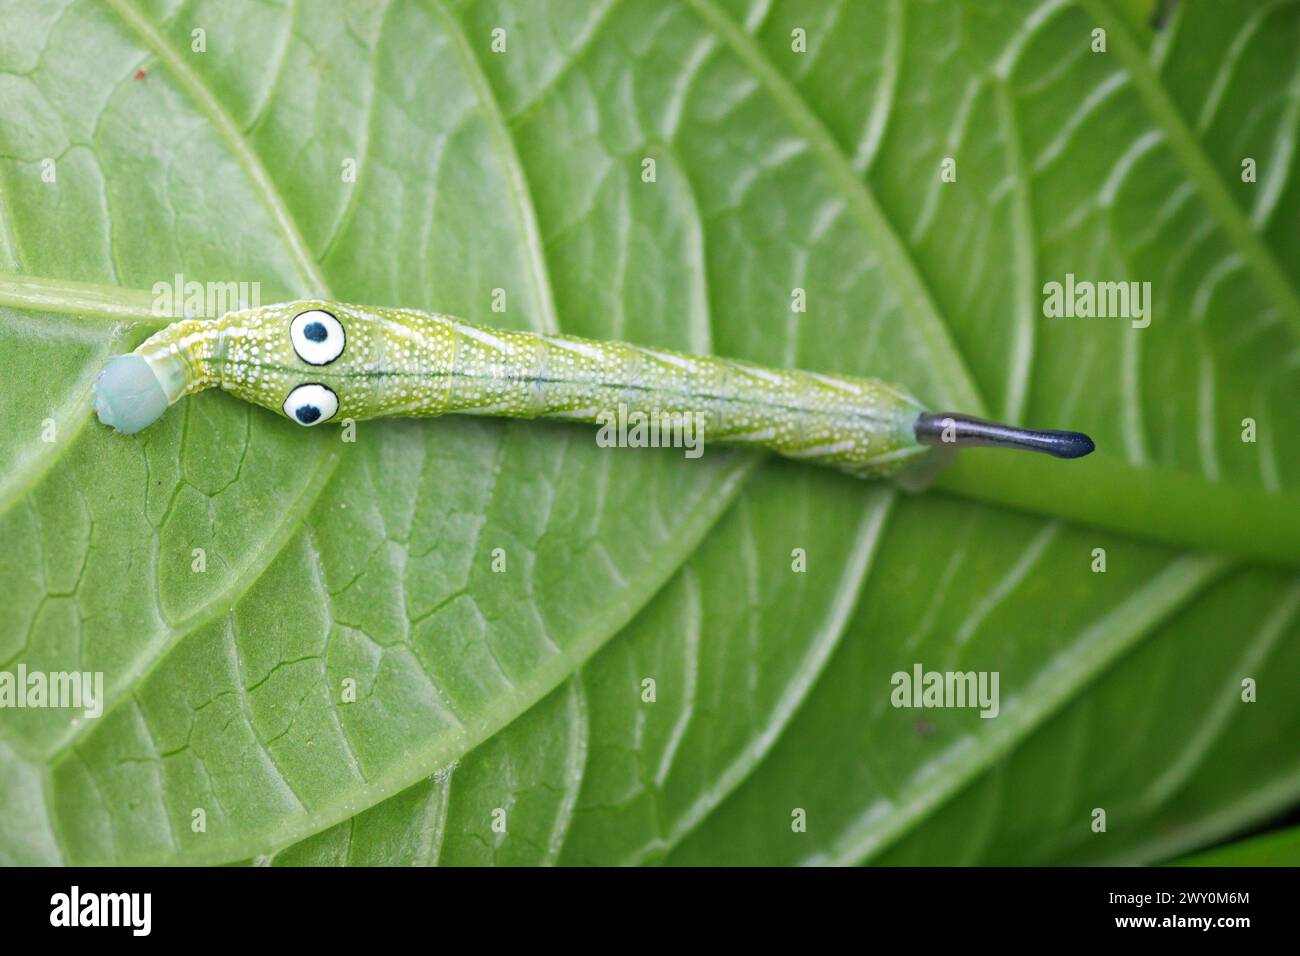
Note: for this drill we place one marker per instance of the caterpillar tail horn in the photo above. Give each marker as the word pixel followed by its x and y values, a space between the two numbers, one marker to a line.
pixel 947 430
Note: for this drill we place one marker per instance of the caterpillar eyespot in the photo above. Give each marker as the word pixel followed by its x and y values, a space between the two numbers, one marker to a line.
pixel 372 362
pixel 311 404
pixel 317 337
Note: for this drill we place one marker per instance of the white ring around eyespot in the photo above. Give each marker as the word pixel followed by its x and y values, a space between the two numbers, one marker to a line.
pixel 313 395
pixel 324 351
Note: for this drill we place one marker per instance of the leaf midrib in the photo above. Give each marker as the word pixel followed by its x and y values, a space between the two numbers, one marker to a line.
pixel 978 475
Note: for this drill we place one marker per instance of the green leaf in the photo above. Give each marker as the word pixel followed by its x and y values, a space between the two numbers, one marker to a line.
pixel 653 677
pixel 1272 849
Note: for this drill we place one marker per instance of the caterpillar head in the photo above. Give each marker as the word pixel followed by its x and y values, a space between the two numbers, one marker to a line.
pixel 304 359
pixel 298 358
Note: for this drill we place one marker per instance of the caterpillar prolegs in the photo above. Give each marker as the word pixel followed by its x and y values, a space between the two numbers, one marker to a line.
pixel 315 361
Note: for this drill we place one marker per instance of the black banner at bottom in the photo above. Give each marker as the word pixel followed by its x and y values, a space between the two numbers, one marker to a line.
pixel 336 907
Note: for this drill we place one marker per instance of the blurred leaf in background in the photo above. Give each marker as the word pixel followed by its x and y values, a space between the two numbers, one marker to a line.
pixel 467 641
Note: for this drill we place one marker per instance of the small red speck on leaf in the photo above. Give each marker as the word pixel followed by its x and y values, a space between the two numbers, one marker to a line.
pixel 140 74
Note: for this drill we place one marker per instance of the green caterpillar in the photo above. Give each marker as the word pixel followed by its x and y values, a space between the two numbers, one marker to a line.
pixel 315 362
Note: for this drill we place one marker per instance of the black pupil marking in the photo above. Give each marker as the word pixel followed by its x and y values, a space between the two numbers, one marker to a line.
pixel 307 414
pixel 315 332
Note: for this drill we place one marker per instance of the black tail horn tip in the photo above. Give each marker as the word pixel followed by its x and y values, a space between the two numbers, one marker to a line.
pixel 1075 445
